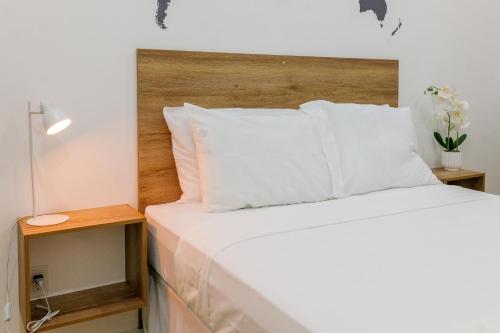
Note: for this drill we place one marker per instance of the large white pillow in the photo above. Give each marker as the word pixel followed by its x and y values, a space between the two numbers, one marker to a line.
pixel 184 149
pixel 247 161
pixel 331 106
pixel 369 148
pixel 184 153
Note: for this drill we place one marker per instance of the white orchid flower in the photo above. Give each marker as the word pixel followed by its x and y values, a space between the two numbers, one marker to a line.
pixel 458 119
pixel 452 116
pixel 465 105
pixel 465 122
pixel 446 94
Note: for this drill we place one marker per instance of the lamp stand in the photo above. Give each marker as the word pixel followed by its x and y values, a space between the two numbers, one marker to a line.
pixel 42 220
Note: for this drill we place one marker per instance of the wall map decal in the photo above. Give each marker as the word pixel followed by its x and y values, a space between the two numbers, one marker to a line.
pixel 161 13
pixel 378 7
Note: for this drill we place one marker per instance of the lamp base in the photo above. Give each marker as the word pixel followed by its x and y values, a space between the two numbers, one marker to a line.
pixel 45 220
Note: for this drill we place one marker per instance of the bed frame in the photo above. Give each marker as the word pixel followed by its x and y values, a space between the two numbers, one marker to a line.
pixel 218 80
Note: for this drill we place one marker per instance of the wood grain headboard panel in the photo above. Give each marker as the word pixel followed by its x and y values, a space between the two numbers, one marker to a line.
pixel 218 80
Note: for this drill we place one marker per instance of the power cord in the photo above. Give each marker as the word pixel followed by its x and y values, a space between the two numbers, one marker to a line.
pixel 7 315
pixel 35 325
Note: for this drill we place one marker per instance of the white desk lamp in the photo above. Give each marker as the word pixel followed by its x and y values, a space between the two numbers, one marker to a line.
pixel 54 122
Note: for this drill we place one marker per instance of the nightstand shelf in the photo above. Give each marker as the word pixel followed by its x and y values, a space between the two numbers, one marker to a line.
pixel 97 302
pixel 88 304
pixel 473 180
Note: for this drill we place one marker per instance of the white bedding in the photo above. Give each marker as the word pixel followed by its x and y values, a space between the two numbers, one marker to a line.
pixel 423 259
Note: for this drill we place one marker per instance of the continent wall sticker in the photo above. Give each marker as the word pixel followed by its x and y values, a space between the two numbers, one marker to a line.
pixel 378 7
pixel 399 26
pixel 161 13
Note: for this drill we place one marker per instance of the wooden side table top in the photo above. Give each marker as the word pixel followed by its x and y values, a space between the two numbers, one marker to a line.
pixel 474 180
pixel 85 219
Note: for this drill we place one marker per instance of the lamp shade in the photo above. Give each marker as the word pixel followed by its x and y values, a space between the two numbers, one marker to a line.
pixel 54 120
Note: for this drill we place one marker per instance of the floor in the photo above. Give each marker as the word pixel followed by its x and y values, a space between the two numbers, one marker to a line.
pixel 134 331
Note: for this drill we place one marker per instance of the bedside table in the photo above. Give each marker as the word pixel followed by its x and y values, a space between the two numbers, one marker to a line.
pixel 473 180
pixel 92 303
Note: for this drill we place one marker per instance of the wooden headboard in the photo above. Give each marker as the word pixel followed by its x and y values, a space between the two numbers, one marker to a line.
pixel 218 80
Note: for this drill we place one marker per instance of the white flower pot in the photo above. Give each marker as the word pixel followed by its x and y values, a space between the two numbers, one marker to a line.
pixel 451 160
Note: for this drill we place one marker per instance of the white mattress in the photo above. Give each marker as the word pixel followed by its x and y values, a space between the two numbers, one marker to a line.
pixel 425 259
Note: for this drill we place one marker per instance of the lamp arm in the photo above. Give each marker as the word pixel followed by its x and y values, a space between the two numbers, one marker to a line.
pixel 30 127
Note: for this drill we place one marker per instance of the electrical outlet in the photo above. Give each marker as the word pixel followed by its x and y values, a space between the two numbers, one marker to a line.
pixel 7 315
pixel 36 292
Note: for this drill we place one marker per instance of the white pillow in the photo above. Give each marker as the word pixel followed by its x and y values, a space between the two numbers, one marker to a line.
pixel 326 105
pixel 184 153
pixel 369 148
pixel 184 149
pixel 248 161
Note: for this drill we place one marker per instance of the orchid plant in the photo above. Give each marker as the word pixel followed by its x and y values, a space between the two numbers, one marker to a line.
pixel 453 117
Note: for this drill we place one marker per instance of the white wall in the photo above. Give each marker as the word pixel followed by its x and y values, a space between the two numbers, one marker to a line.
pixel 81 56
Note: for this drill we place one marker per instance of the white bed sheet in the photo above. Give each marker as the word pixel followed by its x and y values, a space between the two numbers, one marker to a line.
pixel 425 259
pixel 167 313
pixel 167 224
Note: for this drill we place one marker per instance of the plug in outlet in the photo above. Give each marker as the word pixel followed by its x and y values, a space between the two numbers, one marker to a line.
pixel 7 315
pixel 43 270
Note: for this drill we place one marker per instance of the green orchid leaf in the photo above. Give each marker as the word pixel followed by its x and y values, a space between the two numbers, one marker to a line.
pixel 440 140
pixel 461 140
pixel 450 144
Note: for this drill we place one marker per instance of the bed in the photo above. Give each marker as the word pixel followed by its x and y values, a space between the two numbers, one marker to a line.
pixel 421 259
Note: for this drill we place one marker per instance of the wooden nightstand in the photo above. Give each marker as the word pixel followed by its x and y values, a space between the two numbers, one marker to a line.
pixel 473 180
pixel 97 302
